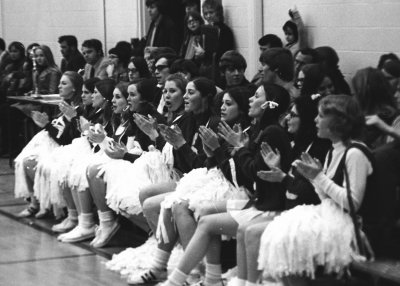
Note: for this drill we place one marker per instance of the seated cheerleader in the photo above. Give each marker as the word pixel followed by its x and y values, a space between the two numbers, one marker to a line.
pixel 187 154
pixel 59 131
pixel 126 96
pixel 266 106
pixel 87 116
pixel 301 125
pixel 322 237
pixel 207 186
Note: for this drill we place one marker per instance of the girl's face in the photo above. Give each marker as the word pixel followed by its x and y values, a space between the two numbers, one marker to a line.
pixel 114 60
pixel 14 54
pixel 194 102
pixel 97 99
pixel 229 109
pixel 300 80
pixel 134 98
pixel 40 58
pixel 293 120
pixel 132 72
pixel 323 121
pixel 86 96
pixel 326 87
pixel 173 95
pixel 119 102
pixel 66 89
pixel 255 102
pixel 289 35
pixel 210 15
pixel 193 24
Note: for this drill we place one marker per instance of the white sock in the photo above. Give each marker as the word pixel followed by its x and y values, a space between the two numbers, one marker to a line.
pixel 213 274
pixel 106 218
pixel 160 260
pixel 86 220
pixel 177 278
pixel 73 214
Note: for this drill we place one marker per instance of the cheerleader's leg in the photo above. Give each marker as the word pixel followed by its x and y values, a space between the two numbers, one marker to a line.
pixel 185 222
pixel 29 167
pixel 72 218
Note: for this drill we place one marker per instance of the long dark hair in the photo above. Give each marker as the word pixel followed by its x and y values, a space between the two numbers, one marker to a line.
pixel 279 95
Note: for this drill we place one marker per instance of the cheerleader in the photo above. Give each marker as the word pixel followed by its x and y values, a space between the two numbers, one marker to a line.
pixel 266 106
pixel 59 131
pixel 322 236
pixel 301 125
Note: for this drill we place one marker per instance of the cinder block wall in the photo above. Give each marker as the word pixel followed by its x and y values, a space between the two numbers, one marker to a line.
pixel 43 21
pixel 360 30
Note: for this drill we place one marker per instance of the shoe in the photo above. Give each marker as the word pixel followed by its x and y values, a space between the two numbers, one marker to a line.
pixel 28 212
pixel 44 213
pixel 66 225
pixel 61 236
pixel 79 233
pixel 148 277
pixel 104 235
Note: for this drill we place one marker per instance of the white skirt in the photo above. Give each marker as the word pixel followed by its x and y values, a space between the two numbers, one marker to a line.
pixel 125 180
pixel 40 145
pixel 305 237
pixel 53 169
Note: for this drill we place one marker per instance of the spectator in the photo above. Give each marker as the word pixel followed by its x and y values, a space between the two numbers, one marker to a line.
pixel 187 68
pixel 162 31
pixel 4 56
pixel 72 59
pixel 96 64
pixel 391 71
pixel 303 57
pixel 137 68
pixel 387 57
pixel 191 6
pixel 294 30
pixel 118 61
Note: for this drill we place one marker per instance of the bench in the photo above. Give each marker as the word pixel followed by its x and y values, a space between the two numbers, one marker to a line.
pixel 381 271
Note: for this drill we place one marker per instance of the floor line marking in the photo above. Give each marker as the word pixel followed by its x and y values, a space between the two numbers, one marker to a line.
pixel 44 259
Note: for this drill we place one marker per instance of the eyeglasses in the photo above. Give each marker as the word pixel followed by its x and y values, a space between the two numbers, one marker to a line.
pixel 161 67
pixel 291 114
pixel 132 70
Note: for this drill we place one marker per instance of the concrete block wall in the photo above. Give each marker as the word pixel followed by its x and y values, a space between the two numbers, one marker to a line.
pixel 44 21
pixel 360 30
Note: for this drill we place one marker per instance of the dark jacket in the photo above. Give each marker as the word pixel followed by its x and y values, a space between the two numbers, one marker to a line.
pixel 75 62
pixel 166 34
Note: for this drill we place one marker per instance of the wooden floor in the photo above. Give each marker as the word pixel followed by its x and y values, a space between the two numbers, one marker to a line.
pixel 31 255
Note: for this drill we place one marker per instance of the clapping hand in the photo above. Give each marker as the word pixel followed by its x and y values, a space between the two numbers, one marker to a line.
pixel 147 125
pixel 235 136
pixel 96 133
pixel 307 166
pixel 68 110
pixel 173 135
pixel 375 120
pixel 274 175
pixel 209 138
pixel 271 157
pixel 115 150
pixel 41 119
pixel 198 49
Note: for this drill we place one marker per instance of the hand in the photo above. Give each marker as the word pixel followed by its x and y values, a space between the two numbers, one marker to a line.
pixel 202 208
pixel 234 137
pixel 173 135
pixel 208 151
pixel 198 49
pixel 375 120
pixel 307 166
pixel 110 70
pixel 271 157
pixel 41 119
pixel 96 133
pixel 84 124
pixel 147 125
pixel 68 110
pixel 275 175
pixel 209 138
pixel 115 150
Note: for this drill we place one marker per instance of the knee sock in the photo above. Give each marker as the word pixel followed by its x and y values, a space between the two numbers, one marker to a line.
pixel 177 278
pixel 160 260
pixel 86 220
pixel 213 274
